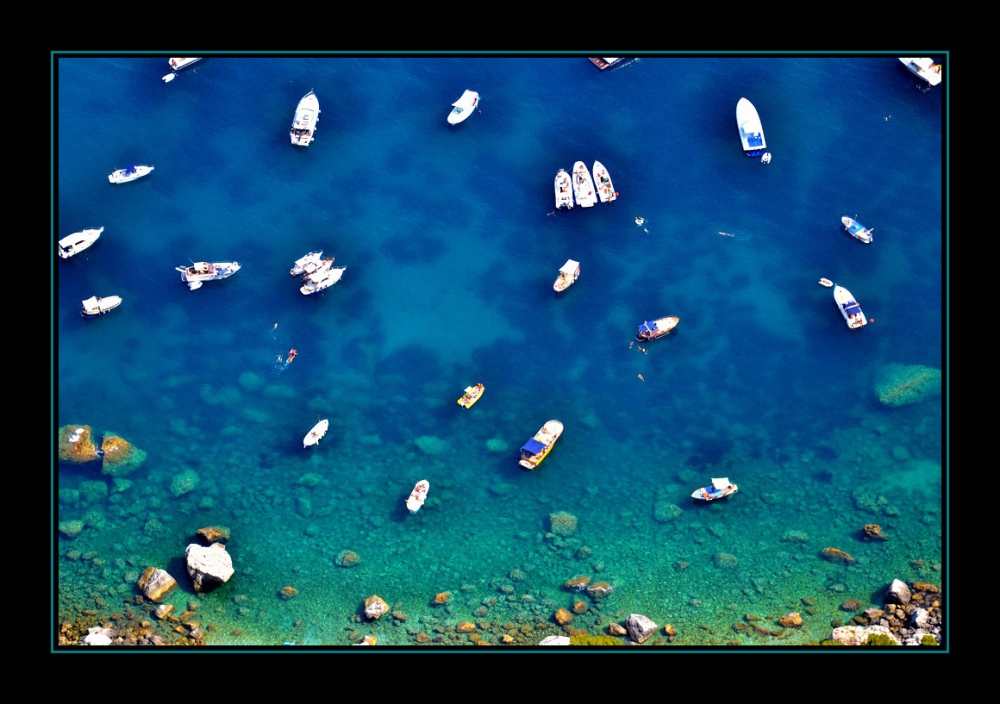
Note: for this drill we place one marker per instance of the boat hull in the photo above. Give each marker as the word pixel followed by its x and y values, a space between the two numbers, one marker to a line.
pixel 923 68
pixel 564 191
pixel 751 131
pixel 658 328
pixel 200 272
pixel 71 245
pixel 124 176
pixel 316 434
pixel 181 63
pixel 710 493
pixel 322 280
pixel 568 275
pixel 539 447
pixel 602 179
pixel 849 308
pixel 306 118
pixel 583 186
pixel 96 306
pixel 463 107
pixel 857 230
pixel 418 496
pixel 471 396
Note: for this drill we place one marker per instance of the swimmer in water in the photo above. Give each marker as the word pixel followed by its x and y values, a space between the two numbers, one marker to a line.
pixel 639 220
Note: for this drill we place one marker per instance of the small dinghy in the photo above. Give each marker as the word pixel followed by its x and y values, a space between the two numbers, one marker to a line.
pixel 716 490
pixel 316 434
pixel 766 159
pixel 99 305
pixel 826 282
pixel 418 495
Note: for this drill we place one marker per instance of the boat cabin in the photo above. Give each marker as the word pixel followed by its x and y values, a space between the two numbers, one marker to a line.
pixel 531 448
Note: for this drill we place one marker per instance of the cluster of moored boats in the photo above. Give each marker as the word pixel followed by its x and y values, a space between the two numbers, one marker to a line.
pixel 581 187
pixel 316 272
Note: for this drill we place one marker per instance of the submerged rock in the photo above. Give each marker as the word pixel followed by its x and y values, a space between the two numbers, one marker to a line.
pixel 209 566
pixel 902 385
pixel 76 444
pixel 639 627
pixel 119 456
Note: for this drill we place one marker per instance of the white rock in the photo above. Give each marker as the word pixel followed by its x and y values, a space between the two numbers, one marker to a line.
pixel 554 640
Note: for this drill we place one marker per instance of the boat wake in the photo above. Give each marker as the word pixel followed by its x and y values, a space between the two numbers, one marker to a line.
pixel 736 238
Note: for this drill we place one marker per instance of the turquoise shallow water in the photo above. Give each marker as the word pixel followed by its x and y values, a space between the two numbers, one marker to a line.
pixel 450 260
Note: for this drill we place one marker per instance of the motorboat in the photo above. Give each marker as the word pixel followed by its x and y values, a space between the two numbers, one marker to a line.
pixel 925 68
pixel 322 279
pixel 568 274
pixel 857 230
pixel 716 490
pixel 176 64
pixel 605 189
pixel 849 308
pixel 538 447
pixel 826 282
pixel 418 495
pixel 463 107
pixel 310 264
pixel 751 132
pixel 71 245
pixel 129 173
pixel 200 272
pixel 472 394
pixel 658 328
pixel 603 62
pixel 583 186
pixel 564 191
pixel 99 305
pixel 305 120
pixel 316 434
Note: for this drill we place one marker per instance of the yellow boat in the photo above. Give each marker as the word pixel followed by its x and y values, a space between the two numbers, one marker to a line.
pixel 535 450
pixel 472 394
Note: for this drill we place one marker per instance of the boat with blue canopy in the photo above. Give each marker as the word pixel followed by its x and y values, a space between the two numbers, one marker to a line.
pixel 657 328
pixel 538 447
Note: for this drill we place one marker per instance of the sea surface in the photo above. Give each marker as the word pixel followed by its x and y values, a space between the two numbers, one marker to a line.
pixel 451 247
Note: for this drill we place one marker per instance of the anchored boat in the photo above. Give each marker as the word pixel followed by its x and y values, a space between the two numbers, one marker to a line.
pixel 716 490
pixel 472 394
pixel 538 447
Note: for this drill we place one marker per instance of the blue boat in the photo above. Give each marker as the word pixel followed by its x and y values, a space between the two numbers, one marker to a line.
pixel 657 328
pixel 857 230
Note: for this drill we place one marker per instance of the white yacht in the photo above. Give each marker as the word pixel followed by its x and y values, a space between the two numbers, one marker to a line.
pixel 463 107
pixel 176 64
pixel 200 272
pixel 99 305
pixel 849 308
pixel 306 117
pixel 321 280
pixel 924 68
pixel 78 241
pixel 310 263
pixel 583 186
pixel 564 191
pixel 605 189
pixel 751 132
pixel 129 173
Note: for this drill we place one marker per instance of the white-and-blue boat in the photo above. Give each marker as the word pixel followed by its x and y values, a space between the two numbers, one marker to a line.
pixel 857 230
pixel 751 132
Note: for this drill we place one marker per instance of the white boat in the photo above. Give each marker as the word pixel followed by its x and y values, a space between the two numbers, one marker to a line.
pixel 99 305
pixel 716 490
pixel 564 191
pixel 826 282
pixel 176 64
pixel 583 186
pixel 849 308
pixel 925 68
pixel 418 495
pixel 603 62
pixel 568 274
pixel 857 230
pixel 605 189
pixel 200 272
pixel 316 434
pixel 766 159
pixel 751 132
pixel 310 264
pixel 78 241
pixel 322 279
pixel 463 107
pixel 305 120
pixel 129 173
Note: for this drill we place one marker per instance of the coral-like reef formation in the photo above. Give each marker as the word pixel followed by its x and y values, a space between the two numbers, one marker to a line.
pixel 442 598
pixel 71 529
pixel 874 531
pixel 664 511
pixel 562 523
pixel 431 445
pixel 119 456
pixel 792 620
pixel 902 385
pixel 563 616
pixel 288 592
pixel 213 534
pixel 724 560
pixel 348 558
pixel 185 482
pixel 835 555
pixel 577 584
pixel 76 444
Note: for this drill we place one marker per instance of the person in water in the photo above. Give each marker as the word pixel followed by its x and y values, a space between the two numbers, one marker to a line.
pixel 291 354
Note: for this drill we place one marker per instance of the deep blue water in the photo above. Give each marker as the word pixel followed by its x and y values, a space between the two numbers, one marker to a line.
pixel 450 258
